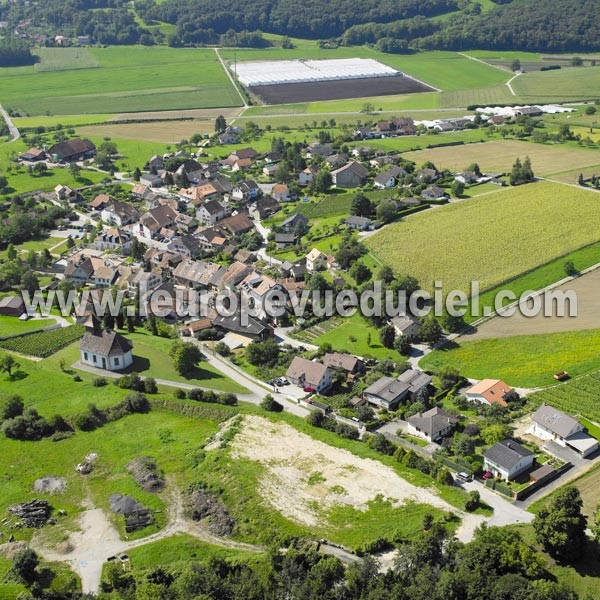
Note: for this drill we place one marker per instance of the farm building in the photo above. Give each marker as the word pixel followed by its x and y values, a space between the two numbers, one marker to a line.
pixel 72 150
pixel 305 71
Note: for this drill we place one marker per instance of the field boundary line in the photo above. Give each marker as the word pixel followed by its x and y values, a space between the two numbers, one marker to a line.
pixel 487 64
pixel 230 76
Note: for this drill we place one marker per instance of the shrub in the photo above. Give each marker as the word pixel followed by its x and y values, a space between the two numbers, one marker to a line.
pixel 223 349
pixel 179 394
pixel 99 382
pixel 11 407
pixel 77 378
pixel 269 403
pixel 150 386
pixel 131 382
pixel 472 502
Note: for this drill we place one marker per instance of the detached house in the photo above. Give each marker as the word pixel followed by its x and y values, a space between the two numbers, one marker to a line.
pixel 550 424
pixel 316 261
pixel 155 220
pixel 433 424
pixel 308 374
pixel 114 239
pixel 507 459
pixel 351 175
pixel 281 192
pixel 388 392
pixel 434 193
pixel 489 391
pixel 307 176
pixel 388 179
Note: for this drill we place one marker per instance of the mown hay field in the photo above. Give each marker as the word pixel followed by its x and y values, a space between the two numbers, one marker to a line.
pixel 491 238
pixel 109 80
pixel 499 156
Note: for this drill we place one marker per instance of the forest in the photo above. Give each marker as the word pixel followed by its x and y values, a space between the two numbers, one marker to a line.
pixel 14 53
pixel 396 27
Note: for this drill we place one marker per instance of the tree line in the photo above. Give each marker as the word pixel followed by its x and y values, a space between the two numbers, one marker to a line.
pixel 14 53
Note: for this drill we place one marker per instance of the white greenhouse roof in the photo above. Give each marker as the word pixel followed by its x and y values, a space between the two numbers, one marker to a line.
pixel 304 71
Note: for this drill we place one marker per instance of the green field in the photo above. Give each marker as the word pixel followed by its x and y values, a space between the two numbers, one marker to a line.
pixel 12 325
pixel 523 361
pixel 567 84
pixel 490 239
pixel 127 79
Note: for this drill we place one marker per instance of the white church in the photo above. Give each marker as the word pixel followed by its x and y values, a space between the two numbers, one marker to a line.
pixel 103 348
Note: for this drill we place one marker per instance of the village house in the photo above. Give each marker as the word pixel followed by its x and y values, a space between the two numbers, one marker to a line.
pixel 150 180
pixel 120 214
pixel 359 223
pixel 388 392
pixel 210 212
pixel 79 272
pixel 434 193
pixel 104 349
pixel 195 328
pixel 346 362
pixel 245 191
pixel 335 161
pixel 318 149
pixel 264 208
pixel 155 163
pixel 309 375
pixel 194 274
pixel 281 192
pixel 143 281
pixel 507 459
pixel 154 221
pixel 113 239
pixel 247 329
pixel 100 202
pixel 294 223
pixel 489 391
pixel 284 240
pixel 428 175
pixel 406 326
pixel 466 177
pixel 349 176
pixel 186 246
pixel 228 137
pixel 307 176
pixel 550 424
pixel 433 424
pixel 389 178
pixel 67 194
pixel 237 224
pixel 316 261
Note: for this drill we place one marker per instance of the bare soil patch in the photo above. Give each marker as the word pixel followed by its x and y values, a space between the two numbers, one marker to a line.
pixel 302 473
pixel 202 506
pixel 337 90
pixel 151 131
pixel 588 314
pixel 146 474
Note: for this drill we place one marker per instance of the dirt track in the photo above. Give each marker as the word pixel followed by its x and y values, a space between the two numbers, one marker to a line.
pixel 586 287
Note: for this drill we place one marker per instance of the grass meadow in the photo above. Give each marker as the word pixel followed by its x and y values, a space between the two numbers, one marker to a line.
pixel 527 361
pixel 492 238
pixel 582 83
pixel 104 80
pixel 499 156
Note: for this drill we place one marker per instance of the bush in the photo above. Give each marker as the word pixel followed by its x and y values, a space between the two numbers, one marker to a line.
pixel 223 349
pixel 269 403
pixel 381 444
pixel 29 426
pixel 150 386
pixel 11 407
pixel 131 382
pixel 77 378
pixel 472 502
pixel 179 394
pixel 99 382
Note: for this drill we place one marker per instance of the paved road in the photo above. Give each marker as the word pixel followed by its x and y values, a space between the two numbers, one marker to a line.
pixel 15 134
pixel 233 81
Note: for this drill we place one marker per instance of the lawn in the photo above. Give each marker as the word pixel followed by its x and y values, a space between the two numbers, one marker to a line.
pixel 581 83
pixel 499 156
pixel 580 396
pixel 151 358
pixel 527 361
pixel 127 79
pixel 352 336
pixel 492 238
pixel 172 440
pixel 12 325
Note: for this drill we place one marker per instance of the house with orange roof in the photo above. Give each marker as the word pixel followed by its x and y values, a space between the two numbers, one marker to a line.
pixel 489 391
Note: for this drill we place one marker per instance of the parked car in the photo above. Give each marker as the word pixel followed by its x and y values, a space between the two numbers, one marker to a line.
pixel 488 475
pixel 309 390
pixel 462 476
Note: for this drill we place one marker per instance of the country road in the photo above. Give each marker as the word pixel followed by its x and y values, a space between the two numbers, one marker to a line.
pixel 15 134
